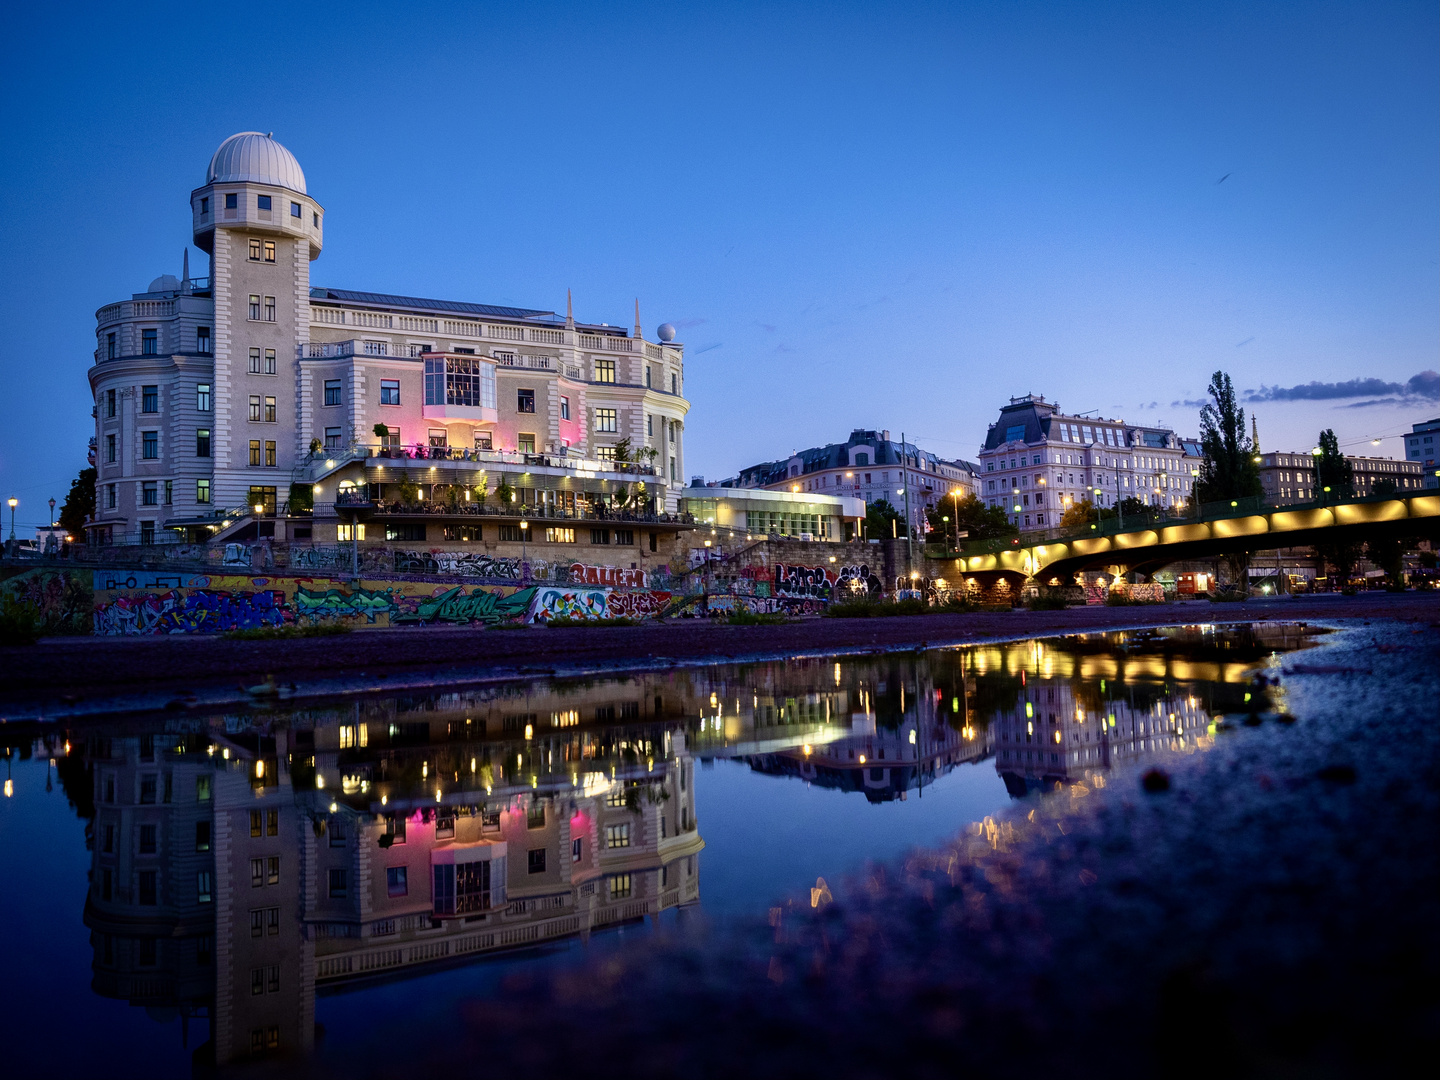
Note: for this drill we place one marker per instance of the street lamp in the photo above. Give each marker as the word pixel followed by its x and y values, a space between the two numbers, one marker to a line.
pixel 52 513
pixel 524 566
pixel 13 503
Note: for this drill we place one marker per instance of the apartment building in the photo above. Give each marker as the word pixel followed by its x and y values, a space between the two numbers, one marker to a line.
pixel 1289 478
pixel 869 466
pixel 1420 448
pixel 219 394
pixel 1038 460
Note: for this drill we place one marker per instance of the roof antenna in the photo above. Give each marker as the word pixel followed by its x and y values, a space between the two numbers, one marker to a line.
pixel 185 273
pixel 638 332
pixel 569 312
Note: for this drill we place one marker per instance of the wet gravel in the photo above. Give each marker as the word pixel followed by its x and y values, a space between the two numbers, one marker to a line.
pixel 1269 910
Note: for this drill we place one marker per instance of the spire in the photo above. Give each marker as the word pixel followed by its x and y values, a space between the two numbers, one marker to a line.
pixel 569 312
pixel 185 273
pixel 638 332
pixel 1254 435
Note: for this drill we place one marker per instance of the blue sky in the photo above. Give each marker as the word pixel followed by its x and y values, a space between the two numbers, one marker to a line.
pixel 858 215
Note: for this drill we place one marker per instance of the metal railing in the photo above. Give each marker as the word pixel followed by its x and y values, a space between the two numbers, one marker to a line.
pixel 382 507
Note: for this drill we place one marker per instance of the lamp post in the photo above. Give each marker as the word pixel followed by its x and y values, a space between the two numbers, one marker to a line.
pixel 524 566
pixel 52 513
pixel 13 503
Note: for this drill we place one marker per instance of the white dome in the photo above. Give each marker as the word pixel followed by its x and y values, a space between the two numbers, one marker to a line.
pixel 165 283
pixel 666 332
pixel 258 158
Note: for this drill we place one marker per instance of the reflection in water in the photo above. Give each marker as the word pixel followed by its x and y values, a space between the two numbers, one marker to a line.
pixel 243 862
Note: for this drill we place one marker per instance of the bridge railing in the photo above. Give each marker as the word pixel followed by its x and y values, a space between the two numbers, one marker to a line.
pixel 1150 518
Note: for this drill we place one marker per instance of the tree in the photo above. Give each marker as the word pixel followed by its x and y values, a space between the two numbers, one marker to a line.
pixel 1334 475
pixel 1386 487
pixel 504 493
pixel 1229 471
pixel 79 504
pixel 1078 514
pixel 878 518
pixel 1341 558
pixel 970 515
pixel 1388 553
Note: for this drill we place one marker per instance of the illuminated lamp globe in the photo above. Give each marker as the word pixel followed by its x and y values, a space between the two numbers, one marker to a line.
pixel 665 332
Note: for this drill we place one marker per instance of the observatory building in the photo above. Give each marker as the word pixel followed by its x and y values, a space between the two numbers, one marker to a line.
pixel 251 403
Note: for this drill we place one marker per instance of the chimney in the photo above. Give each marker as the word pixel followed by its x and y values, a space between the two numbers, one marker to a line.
pixel 885 434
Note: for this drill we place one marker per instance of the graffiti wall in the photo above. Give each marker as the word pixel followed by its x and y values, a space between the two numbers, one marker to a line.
pixel 818 582
pixel 62 599
pixel 132 603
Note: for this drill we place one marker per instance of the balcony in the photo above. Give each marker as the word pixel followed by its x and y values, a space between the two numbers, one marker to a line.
pixel 503 459
pixel 334 350
pixel 470 511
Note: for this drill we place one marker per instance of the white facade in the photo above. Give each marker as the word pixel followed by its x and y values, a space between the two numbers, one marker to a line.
pixel 1038 461
pixel 218 393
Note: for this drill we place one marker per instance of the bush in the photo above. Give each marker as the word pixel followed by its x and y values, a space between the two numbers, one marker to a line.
pixel 1227 594
pixel 1045 602
pixel 755 618
pixel 19 622
pixel 287 633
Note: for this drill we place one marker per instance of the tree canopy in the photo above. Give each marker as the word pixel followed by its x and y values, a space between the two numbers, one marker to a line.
pixel 878 518
pixel 79 504
pixel 1334 475
pixel 970 515
pixel 1229 470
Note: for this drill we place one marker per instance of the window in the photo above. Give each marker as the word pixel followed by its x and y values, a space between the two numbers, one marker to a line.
pixel 332 391
pixel 202 340
pixel 202 836
pixel 270 453
pixel 605 453
pixel 559 536
pixel 564 408
pixel 204 886
pixel 272 870
pixel 348 533
pixel 395 883
pixel 647 376
pixel 269 309
pixel 147 891
pixel 205 205
pixel 649 425
pixel 438 438
pixel 674 384
pixel 272 823
pixel 202 397
pixel 147 790
pixel 337 883
pixel 484 440
pixel 604 371
pixel 110 404
pixel 150 399
pixel 405 532
pixel 254 250
pixel 263 497
pixel 110 350
pixel 270 251
pixel 510 532
pixel 110 497
pixel 460 380
pixel 389 391
pixel 625 537
pixel 525 401
pixel 599 536
pixel 525 443
pixel 257 873
pixel 255 307
pixel 537 860
pixel 333 438
pixel 315 219
pixel 254 367
pixel 535 814
pixel 254 451
pixel 269 361
pixel 269 410
pixel 109 448
pixel 148 494
pixel 606 420
pixel 464 532
pixel 619 886
pixel 294 209
pixel 232 200
pixel 262 202
pixel 202 491
pixel 617 836
pixel 149 342
pixel 147 839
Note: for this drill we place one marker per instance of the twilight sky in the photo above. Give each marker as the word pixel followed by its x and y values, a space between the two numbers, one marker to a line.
pixel 891 217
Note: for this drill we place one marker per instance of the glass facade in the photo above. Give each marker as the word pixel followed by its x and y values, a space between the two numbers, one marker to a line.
pixel 460 380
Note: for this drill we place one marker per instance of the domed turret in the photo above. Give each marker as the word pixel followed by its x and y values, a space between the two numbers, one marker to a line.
pixel 258 159
pixel 666 332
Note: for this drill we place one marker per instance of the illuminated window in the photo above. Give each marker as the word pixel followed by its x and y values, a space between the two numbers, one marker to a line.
pixel 620 886
pixel 604 371
pixel 617 836
pixel 606 420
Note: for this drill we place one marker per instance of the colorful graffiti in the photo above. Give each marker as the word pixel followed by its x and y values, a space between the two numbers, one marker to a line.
pixel 468 564
pixel 63 599
pixel 816 582
pixel 321 557
pixel 612 576
pixel 638 605
pixel 456 606
pixel 358 603
pixel 570 604
pixel 193 611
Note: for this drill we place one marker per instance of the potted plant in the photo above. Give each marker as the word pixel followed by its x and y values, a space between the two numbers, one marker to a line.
pixel 382 433
pixel 315 447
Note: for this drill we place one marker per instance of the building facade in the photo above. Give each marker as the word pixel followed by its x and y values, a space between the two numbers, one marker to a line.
pixel 1037 461
pixel 1420 448
pixel 868 466
pixel 1289 478
pixel 761 512
pixel 215 395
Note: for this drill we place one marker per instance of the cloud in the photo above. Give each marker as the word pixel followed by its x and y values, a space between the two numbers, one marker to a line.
pixel 1424 386
pixel 1186 403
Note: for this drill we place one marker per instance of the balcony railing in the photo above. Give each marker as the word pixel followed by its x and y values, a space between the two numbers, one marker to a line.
pixel 327 350
pixel 496 458
pixel 431 508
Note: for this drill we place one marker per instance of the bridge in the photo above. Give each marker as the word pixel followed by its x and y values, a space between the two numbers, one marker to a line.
pixel 1144 546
